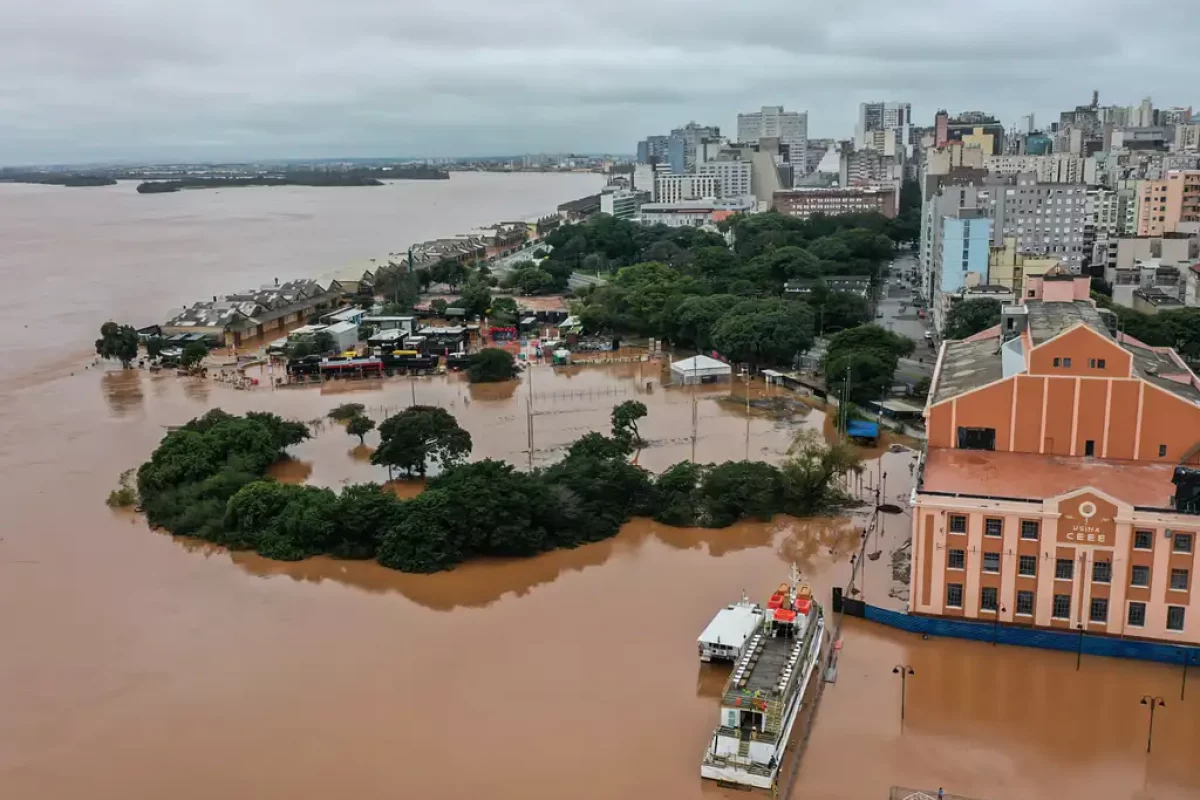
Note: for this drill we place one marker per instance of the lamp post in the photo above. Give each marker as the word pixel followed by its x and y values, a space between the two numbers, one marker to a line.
pixel 996 625
pixel 904 671
pixel 1187 654
pixel 1079 649
pixel 1153 702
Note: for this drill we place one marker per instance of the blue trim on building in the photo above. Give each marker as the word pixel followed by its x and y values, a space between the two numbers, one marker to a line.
pixel 1031 637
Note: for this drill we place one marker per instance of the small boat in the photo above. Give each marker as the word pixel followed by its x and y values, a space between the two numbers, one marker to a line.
pixel 725 637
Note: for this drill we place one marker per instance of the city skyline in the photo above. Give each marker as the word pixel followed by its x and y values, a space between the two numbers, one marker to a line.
pixel 259 79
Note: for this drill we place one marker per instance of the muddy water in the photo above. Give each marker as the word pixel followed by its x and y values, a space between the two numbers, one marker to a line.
pixel 137 665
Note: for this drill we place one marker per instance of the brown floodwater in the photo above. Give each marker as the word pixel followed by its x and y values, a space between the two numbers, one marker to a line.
pixel 134 664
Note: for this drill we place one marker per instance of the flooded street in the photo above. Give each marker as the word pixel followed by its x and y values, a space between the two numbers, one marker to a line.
pixel 137 665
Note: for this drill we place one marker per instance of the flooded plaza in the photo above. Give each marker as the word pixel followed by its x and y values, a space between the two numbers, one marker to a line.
pixel 139 665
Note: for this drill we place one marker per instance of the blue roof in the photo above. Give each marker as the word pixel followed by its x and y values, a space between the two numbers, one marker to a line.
pixel 860 429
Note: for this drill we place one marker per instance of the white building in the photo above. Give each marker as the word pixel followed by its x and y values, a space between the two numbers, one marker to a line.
pixel 895 118
pixel 790 127
pixel 673 188
pixel 734 176
pixel 695 213
pixel 1105 211
pixel 700 369
pixel 1051 168
pixel 620 203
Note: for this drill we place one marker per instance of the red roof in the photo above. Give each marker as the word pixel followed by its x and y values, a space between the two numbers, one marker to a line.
pixel 783 615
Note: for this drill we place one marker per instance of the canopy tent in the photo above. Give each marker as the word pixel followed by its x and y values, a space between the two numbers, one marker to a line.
pixel 700 369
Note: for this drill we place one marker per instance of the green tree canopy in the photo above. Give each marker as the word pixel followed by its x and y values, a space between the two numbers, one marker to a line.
pixel 969 317
pixel 360 425
pixel 419 436
pixel 193 354
pixel 476 297
pixel 764 332
pixel 624 421
pixel 491 365
pixel 119 342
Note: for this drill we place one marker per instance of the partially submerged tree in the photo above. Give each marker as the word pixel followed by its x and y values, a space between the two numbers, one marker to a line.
pixel 119 342
pixel 490 365
pixel 360 425
pixel 419 436
pixel 624 421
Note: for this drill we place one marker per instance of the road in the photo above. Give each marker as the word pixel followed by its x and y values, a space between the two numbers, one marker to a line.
pixel 896 313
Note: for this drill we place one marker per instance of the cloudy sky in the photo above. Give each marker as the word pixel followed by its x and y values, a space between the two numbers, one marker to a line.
pixel 92 80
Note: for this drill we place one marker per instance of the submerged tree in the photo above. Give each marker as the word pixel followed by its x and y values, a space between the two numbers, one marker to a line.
pixel 419 435
pixel 360 425
pixel 624 421
pixel 119 342
pixel 490 365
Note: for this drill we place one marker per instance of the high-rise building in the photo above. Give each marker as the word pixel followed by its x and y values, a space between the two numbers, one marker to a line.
pixel 894 120
pixel 674 188
pixel 734 175
pixel 789 127
pixel 620 202
pixel 1026 124
pixel 1044 218
pixel 670 150
pixel 691 135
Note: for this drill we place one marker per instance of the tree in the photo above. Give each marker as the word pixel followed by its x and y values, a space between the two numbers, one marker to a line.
pixel 530 280
pixel 863 360
pixel 476 298
pixel 597 445
pixel 119 342
pixel 969 317
pixel 696 316
pixel 364 512
pixel 624 421
pixel 193 354
pixel 346 411
pixel 155 345
pixel 490 365
pixel 360 425
pixel 504 311
pixel 418 436
pixel 809 476
pixel 837 311
pixel 677 500
pixel 539 253
pixel 739 489
pixel 448 272
pixel 764 331
pixel 424 278
pixel 438 306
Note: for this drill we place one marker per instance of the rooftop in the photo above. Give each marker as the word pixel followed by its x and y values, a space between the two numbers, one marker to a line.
pixel 967 365
pixel 1035 476
pixel 1047 320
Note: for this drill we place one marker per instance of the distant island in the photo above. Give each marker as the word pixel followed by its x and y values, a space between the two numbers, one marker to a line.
pixel 351 177
pixel 56 178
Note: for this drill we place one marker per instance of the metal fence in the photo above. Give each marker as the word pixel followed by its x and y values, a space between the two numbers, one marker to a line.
pixel 1072 641
pixel 903 793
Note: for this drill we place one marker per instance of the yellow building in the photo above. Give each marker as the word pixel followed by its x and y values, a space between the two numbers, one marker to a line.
pixel 985 142
pixel 1011 269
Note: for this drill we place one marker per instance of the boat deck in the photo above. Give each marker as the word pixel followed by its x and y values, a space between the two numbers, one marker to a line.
pixel 768 664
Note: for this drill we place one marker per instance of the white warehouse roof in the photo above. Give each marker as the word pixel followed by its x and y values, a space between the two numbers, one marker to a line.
pixel 699 364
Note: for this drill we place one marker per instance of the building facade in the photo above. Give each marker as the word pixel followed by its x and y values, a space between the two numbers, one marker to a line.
pixel 694 213
pixel 803 203
pixel 790 127
pixel 895 119
pixel 1044 218
pixel 673 188
pixel 691 135
pixel 1061 484
pixel 735 177
pixel 966 245
pixel 621 203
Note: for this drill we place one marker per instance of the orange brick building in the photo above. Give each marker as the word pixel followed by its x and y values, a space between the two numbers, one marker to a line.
pixel 1061 484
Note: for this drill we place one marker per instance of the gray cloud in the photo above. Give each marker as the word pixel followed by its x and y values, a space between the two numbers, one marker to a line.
pixel 84 80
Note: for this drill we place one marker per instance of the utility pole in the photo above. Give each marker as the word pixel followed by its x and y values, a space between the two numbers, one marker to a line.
pixel 747 413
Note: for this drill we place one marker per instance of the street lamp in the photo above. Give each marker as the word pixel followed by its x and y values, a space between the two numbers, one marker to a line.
pixel 904 671
pixel 1187 654
pixel 1153 702
pixel 996 626
pixel 1079 649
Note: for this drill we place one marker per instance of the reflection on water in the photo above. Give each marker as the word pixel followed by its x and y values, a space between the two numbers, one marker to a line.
pixel 122 390
pixel 710 679
pixel 290 470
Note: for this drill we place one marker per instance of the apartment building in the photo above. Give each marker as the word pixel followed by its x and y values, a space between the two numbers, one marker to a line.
pixel 691 135
pixel 734 176
pixel 1061 484
pixel 673 188
pixel 1183 201
pixel 803 203
pixel 1044 218
pixel 893 118
pixel 1052 168
pixel 966 244
pixel 1152 208
pixel 789 127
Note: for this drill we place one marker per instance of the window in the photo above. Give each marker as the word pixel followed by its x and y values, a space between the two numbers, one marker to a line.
pixel 1139 576
pixel 1143 540
pixel 1179 579
pixel 1058 362
pixel 958 523
pixel 1067 363
pixel 1089 447
pixel 1027 566
pixel 1062 606
pixel 1183 543
pixel 1064 569
pixel 956 559
pixel 1100 363
pixel 993 527
pixel 1137 615
pixel 1102 571
pixel 991 562
pixel 1029 529
pixel 977 438
pixel 1162 451
pixel 1024 602
pixel 1099 610
pixel 1175 618
pixel 988 598
pixel 954 595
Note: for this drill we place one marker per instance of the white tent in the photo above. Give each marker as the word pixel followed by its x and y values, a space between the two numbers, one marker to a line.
pixel 700 369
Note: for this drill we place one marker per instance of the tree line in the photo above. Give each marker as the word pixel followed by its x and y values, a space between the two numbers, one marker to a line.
pixel 209 479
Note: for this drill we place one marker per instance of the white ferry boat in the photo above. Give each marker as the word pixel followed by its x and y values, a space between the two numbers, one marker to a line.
pixel 765 690
pixel 726 636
